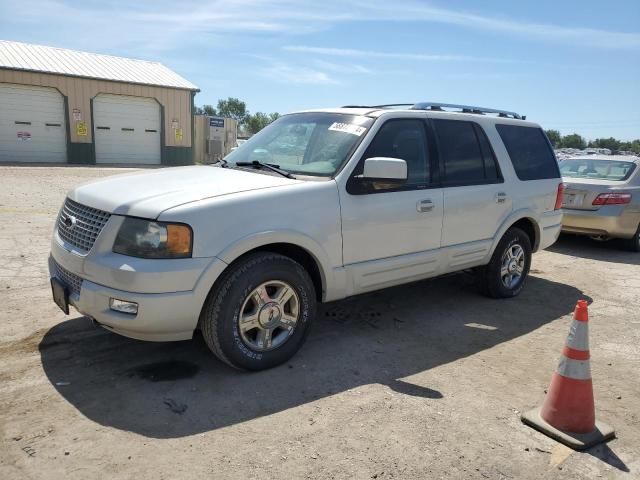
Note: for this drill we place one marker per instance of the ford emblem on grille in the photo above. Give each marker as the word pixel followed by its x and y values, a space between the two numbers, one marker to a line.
pixel 70 221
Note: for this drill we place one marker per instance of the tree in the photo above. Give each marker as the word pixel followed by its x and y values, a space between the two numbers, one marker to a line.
pixel 554 137
pixel 633 146
pixel 610 143
pixel 259 120
pixel 206 110
pixel 233 108
pixel 573 141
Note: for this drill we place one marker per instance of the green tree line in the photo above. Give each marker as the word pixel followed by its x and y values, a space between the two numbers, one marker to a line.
pixel 575 140
pixel 237 109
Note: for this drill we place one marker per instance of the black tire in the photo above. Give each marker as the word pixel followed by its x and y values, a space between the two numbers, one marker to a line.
pixel 489 276
pixel 633 244
pixel 219 317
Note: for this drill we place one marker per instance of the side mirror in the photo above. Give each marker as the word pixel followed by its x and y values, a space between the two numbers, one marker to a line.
pixel 260 154
pixel 384 169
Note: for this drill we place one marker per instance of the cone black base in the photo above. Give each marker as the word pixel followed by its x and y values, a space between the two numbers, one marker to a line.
pixel 578 441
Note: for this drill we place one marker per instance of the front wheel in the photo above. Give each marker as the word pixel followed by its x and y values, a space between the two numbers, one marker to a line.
pixel 258 315
pixel 505 275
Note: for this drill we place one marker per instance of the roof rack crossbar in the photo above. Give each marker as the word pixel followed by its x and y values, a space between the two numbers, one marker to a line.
pixel 465 109
pixel 389 105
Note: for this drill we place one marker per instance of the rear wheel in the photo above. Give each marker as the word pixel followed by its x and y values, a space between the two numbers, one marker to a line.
pixel 258 315
pixel 633 244
pixel 507 271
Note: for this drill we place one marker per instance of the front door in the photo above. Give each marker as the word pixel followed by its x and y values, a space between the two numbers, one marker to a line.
pixel 391 234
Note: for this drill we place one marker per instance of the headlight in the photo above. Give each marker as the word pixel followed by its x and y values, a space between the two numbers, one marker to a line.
pixel 149 239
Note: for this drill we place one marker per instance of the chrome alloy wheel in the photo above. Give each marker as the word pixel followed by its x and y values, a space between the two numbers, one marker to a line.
pixel 512 269
pixel 269 316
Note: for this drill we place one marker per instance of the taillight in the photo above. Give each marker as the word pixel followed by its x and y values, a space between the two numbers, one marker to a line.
pixel 612 199
pixel 559 196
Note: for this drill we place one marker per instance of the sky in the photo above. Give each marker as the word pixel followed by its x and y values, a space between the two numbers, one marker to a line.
pixel 570 65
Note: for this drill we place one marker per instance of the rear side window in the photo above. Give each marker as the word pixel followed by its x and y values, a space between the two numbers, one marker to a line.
pixel 465 152
pixel 530 152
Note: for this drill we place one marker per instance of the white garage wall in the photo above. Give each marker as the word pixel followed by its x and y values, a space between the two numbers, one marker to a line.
pixel 40 111
pixel 80 91
pixel 126 129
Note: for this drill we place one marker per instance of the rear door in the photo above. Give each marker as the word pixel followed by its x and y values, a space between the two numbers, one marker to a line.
pixel 476 199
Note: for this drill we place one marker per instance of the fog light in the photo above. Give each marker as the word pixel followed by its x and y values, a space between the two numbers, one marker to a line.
pixel 123 307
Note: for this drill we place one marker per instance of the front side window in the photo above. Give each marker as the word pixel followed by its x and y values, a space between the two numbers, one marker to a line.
pixel 314 143
pixel 597 169
pixel 465 152
pixel 530 152
pixel 406 140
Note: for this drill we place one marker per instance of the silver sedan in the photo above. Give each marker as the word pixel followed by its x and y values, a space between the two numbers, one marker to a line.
pixel 602 197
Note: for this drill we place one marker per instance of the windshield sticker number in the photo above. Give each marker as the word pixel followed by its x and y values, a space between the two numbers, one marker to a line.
pixel 347 128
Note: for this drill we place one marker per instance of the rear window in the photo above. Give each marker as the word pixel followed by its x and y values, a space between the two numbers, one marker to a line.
pixel 530 152
pixel 596 169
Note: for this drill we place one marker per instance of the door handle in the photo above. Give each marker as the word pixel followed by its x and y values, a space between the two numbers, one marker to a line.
pixel 501 197
pixel 425 206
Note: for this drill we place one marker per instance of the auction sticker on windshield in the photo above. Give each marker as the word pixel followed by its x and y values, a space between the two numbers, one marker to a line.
pixel 347 128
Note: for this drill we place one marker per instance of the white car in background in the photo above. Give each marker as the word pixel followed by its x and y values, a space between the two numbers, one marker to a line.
pixel 239 142
pixel 602 197
pixel 318 206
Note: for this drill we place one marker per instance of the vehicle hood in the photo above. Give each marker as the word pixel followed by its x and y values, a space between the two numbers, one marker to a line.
pixel 147 194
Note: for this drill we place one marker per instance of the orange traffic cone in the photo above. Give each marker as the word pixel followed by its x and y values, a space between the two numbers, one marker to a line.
pixel 568 412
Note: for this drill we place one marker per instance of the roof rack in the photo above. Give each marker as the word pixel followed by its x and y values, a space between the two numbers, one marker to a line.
pixel 440 107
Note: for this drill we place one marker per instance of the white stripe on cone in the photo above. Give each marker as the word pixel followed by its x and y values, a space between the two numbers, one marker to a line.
pixel 576 369
pixel 578 337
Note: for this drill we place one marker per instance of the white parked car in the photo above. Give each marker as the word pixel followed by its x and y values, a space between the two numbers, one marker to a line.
pixel 239 142
pixel 318 206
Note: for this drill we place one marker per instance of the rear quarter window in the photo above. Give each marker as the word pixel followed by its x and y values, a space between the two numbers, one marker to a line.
pixel 530 152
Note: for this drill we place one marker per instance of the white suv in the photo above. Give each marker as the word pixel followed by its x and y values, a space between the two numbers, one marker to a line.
pixel 318 206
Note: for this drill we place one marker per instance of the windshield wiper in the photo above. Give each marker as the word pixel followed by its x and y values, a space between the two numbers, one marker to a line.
pixel 223 163
pixel 268 166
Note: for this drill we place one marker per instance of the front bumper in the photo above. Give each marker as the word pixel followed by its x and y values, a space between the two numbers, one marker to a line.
pixel 169 293
pixel 616 221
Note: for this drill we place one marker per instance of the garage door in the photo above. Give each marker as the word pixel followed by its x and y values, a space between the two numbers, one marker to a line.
pixel 126 129
pixel 32 124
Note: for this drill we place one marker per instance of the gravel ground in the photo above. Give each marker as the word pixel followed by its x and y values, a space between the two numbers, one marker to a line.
pixel 422 381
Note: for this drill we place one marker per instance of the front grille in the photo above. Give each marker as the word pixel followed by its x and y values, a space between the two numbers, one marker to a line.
pixel 80 225
pixel 70 280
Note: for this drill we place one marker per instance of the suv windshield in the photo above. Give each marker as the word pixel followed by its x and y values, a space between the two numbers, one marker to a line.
pixel 312 143
pixel 596 169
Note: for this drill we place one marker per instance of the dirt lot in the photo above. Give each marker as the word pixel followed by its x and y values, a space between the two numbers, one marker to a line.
pixel 425 381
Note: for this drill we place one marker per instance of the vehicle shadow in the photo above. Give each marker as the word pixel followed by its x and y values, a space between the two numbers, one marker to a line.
pixel 583 247
pixel 169 390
